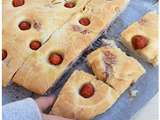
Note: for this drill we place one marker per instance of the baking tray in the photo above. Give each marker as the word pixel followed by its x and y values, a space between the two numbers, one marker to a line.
pixel 126 106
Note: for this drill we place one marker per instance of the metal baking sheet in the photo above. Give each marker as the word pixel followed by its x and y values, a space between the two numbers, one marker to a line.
pixel 147 85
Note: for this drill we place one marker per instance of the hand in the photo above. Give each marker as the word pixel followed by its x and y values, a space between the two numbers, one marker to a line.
pixel 46 102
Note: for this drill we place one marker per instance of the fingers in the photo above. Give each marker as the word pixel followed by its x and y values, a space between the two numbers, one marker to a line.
pixel 45 102
pixel 52 117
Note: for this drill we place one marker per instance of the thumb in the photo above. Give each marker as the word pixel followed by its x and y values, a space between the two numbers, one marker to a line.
pixel 52 117
pixel 45 102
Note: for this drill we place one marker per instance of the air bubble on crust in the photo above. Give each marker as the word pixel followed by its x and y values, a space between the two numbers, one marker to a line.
pixel 84 8
pixel 37 25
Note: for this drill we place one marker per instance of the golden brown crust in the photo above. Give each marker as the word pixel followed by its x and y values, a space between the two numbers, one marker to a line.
pixel 70 41
pixel 122 69
pixel 148 27
pixel 95 60
pixel 70 104
pixel 42 14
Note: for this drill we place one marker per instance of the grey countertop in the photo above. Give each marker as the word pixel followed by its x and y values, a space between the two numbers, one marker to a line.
pixel 149 111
